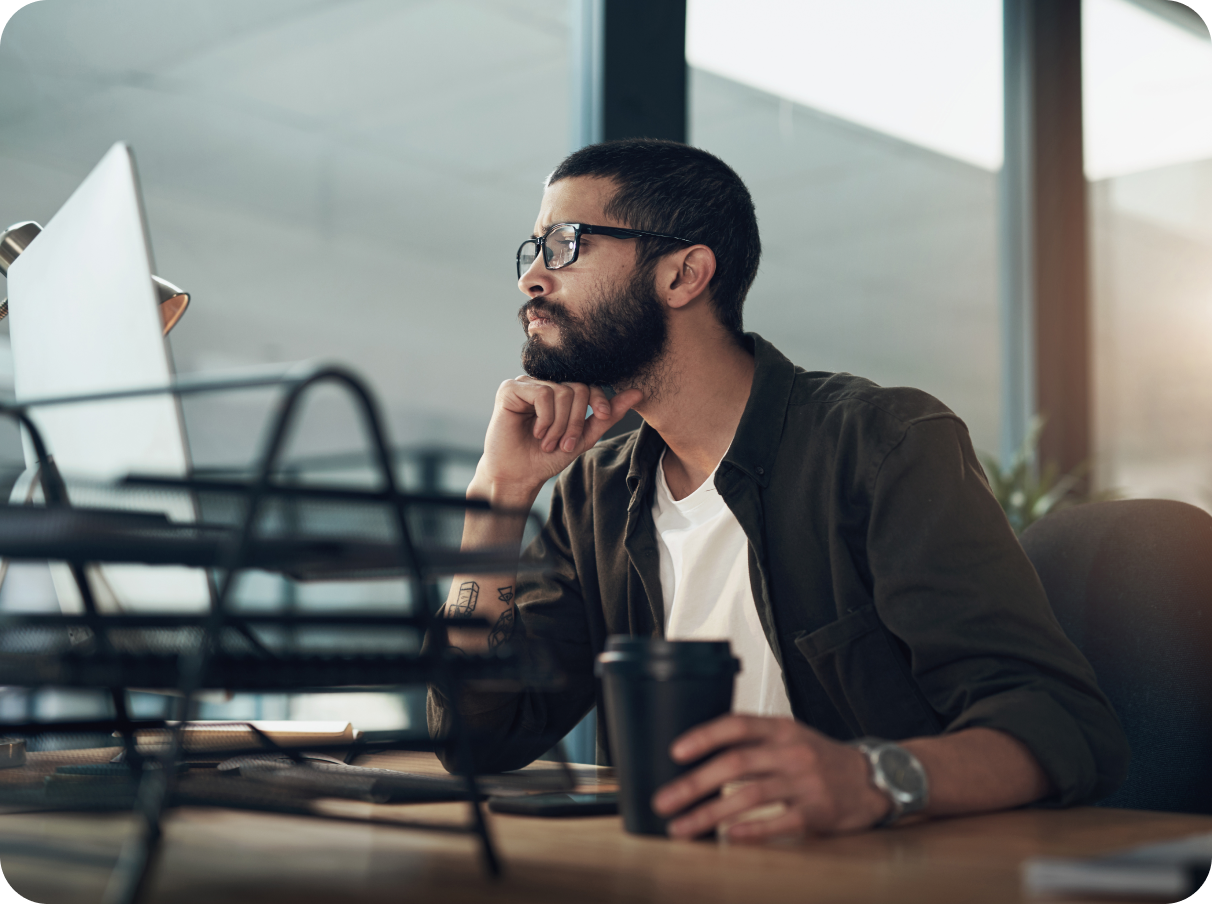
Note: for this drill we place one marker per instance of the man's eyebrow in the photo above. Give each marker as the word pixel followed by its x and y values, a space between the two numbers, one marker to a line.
pixel 542 231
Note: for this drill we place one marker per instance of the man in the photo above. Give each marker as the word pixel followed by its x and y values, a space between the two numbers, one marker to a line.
pixel 841 535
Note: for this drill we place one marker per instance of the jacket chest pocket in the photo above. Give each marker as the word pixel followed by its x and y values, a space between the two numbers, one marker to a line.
pixel 867 678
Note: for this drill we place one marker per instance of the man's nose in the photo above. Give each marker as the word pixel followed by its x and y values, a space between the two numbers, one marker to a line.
pixel 536 280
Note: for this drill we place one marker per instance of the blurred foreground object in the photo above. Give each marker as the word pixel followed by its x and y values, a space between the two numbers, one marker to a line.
pixel 263 520
pixel 173 301
pixel 12 752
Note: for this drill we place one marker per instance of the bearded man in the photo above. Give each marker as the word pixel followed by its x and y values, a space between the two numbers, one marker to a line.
pixel 840 534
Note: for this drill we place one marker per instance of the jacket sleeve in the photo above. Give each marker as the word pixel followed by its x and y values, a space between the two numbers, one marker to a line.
pixel 509 730
pixel 953 584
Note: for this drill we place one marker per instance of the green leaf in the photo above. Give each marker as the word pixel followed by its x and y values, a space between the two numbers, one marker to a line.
pixel 1027 492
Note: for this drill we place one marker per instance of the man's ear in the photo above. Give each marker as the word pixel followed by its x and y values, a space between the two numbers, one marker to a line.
pixel 684 275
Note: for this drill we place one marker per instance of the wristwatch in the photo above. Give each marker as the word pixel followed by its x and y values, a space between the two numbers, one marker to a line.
pixel 899 774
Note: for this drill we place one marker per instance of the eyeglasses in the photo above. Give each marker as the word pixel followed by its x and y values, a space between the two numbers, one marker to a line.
pixel 561 243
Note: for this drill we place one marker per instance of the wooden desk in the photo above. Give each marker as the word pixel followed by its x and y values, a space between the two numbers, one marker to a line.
pixel 228 856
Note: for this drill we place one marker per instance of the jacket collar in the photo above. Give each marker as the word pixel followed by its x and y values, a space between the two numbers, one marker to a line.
pixel 755 445
pixel 645 453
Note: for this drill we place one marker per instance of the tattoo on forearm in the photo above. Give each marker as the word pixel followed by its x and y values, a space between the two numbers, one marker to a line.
pixel 465 603
pixel 505 594
pixel 503 629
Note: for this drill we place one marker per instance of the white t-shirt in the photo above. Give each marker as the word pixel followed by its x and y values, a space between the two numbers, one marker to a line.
pixel 705 583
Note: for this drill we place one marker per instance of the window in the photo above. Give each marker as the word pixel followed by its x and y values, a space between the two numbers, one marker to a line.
pixel 1149 161
pixel 870 135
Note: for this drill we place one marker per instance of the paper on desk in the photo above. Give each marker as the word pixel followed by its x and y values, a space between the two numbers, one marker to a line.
pixel 198 737
pixel 1172 869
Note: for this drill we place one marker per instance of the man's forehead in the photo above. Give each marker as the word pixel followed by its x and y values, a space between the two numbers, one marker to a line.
pixel 577 199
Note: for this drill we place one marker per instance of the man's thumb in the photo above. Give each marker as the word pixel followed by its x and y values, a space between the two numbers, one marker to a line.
pixel 622 403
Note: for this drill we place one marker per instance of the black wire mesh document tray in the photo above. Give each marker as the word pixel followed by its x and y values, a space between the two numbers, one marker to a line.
pixel 268 521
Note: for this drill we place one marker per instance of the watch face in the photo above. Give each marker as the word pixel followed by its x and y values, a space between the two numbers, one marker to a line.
pixel 902 773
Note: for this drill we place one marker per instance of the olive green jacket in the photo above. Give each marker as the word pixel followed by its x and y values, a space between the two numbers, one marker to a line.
pixel 893 592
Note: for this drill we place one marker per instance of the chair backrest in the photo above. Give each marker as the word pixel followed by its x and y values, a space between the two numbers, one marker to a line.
pixel 1131 583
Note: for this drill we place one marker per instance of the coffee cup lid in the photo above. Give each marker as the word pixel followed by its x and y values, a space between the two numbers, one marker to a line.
pixel 657 657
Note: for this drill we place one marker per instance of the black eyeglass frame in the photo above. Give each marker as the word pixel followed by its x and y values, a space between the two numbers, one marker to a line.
pixel 580 229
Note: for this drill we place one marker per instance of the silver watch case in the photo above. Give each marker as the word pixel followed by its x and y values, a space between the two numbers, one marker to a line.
pixel 899 774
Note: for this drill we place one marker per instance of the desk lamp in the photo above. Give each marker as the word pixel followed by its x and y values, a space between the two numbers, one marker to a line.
pixel 17 237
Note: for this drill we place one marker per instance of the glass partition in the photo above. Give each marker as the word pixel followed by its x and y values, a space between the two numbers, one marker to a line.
pixel 869 133
pixel 1149 161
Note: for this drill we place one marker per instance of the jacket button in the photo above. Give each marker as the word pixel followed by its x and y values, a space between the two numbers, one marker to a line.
pixel 761 471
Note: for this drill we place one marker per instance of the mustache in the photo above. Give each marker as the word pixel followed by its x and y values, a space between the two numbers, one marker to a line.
pixel 544 307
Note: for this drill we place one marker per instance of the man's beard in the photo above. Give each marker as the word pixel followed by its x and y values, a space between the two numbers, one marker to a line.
pixel 617 342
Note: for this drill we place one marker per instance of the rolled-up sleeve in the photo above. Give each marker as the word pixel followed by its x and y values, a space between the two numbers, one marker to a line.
pixel 953 584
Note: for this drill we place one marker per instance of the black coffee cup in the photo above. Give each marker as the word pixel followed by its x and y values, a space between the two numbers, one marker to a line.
pixel 655 690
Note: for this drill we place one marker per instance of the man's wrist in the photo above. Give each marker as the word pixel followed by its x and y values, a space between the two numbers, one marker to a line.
pixel 898 774
pixel 504 495
pixel 873 805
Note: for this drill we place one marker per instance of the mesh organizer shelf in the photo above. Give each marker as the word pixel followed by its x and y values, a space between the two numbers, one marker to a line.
pixel 302 531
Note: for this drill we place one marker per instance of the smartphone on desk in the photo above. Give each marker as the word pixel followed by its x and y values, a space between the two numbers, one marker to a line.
pixel 570 804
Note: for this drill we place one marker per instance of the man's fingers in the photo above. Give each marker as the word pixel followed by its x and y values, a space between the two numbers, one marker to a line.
pixel 559 411
pixel 599 402
pixel 707 816
pixel 550 404
pixel 615 408
pixel 789 823
pixel 722 732
pixel 542 398
pixel 729 766
pixel 595 427
pixel 563 408
pixel 576 417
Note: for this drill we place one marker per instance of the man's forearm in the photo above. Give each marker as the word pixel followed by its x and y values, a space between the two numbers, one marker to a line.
pixel 488 597
pixel 978 770
pixel 825 785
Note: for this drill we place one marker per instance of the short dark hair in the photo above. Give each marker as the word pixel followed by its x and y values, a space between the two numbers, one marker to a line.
pixel 666 186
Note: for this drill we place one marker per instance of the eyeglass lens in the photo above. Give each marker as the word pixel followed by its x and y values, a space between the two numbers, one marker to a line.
pixel 559 249
pixel 526 255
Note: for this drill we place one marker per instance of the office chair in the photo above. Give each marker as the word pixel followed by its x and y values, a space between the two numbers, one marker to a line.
pixel 1131 583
